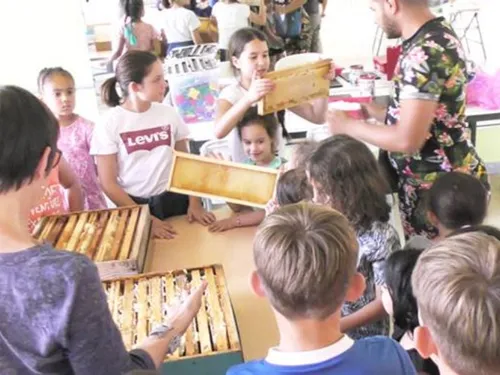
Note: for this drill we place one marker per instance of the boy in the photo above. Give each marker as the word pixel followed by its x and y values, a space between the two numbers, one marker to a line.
pixel 306 258
pixel 457 287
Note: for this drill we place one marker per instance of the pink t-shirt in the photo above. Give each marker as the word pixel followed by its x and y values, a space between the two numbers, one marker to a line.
pixel 74 142
pixel 144 33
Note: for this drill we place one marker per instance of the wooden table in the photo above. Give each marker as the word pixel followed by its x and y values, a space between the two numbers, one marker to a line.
pixel 195 246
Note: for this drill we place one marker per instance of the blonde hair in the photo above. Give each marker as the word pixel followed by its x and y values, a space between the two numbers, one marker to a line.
pixel 305 257
pixel 457 286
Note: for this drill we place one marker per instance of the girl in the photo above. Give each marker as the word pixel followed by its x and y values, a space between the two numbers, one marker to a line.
pixel 180 25
pixel 454 201
pixel 257 134
pixel 249 56
pixel 57 88
pixel 293 187
pixel 398 301
pixel 134 142
pixel 134 34
pixel 344 175
pixel 229 16
pixel 56 321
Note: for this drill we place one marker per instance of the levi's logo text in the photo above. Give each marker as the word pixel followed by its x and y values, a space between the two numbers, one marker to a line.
pixel 147 139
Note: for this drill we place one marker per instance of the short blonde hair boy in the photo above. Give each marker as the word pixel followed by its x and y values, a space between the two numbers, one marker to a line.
pixel 305 256
pixel 457 287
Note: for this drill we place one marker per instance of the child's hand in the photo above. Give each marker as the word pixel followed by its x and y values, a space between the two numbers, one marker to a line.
pixel 223 225
pixel 331 73
pixel 162 229
pixel 218 156
pixel 259 88
pixel 198 213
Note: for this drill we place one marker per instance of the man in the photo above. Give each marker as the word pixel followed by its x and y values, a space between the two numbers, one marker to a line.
pixel 426 134
pixel 312 7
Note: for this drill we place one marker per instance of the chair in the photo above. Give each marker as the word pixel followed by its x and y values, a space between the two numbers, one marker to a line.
pixel 215 146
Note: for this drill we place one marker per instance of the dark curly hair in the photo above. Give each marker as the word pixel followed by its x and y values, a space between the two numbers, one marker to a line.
pixel 398 270
pixel 346 174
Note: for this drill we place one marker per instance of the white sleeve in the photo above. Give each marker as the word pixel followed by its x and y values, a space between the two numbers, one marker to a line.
pixel 104 140
pixel 193 22
pixel 231 94
pixel 245 10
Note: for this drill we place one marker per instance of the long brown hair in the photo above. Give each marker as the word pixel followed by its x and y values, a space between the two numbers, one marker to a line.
pixel 133 66
pixel 239 40
pixel 347 176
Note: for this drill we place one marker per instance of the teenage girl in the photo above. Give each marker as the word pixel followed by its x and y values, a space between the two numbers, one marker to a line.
pixel 57 89
pixel 344 175
pixel 257 134
pixel 249 57
pixel 134 143
pixel 134 34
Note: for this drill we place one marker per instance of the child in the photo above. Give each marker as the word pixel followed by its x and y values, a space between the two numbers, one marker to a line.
pixel 57 88
pixel 293 187
pixel 249 56
pixel 257 134
pixel 305 257
pixel 134 142
pixel 180 25
pixel 344 175
pixel 455 200
pixel 229 16
pixel 456 284
pixel 57 320
pixel 399 302
pixel 134 34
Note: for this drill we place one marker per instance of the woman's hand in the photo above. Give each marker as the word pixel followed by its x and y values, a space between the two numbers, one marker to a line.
pixel 162 229
pixel 186 312
pixel 196 212
pixel 259 88
pixel 338 122
pixel 331 73
pixel 223 225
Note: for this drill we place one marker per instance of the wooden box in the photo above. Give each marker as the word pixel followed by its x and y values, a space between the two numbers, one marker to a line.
pixel 116 239
pixel 211 344
pixel 297 85
pixel 211 178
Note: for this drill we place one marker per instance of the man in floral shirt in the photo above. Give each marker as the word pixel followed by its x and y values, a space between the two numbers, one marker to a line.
pixel 426 133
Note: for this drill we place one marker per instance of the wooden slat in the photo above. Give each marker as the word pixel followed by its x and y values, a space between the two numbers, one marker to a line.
pixel 119 234
pixel 48 227
pixel 75 236
pixel 218 327
pixel 106 245
pixel 297 85
pixel 189 347
pixel 142 318
pixel 155 292
pixel 101 226
pixel 232 331
pixel 89 231
pixel 211 178
pixel 128 314
pixel 62 243
pixel 56 230
pixel 113 294
pixel 129 234
pixel 201 317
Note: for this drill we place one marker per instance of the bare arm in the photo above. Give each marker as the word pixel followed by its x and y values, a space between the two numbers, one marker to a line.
pixel 323 5
pixel 107 170
pixel 69 181
pixel 247 219
pixel 314 111
pixel 195 34
pixel 228 115
pixel 372 312
pixel 118 51
pixel 374 110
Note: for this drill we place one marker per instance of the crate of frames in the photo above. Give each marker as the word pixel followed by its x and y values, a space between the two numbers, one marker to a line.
pixel 117 240
pixel 198 50
pixel 194 88
pixel 210 345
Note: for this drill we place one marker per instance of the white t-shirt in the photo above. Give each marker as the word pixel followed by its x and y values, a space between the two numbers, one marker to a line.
pixel 178 24
pixel 233 93
pixel 143 143
pixel 230 18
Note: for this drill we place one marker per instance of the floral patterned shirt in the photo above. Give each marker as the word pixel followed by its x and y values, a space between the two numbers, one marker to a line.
pixel 432 67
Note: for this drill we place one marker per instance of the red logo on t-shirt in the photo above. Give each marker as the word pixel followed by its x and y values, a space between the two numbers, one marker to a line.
pixel 147 139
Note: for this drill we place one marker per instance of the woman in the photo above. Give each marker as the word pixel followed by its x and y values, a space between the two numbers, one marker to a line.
pixel 55 318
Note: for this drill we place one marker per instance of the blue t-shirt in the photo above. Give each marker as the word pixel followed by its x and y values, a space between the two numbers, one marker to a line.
pixel 377 355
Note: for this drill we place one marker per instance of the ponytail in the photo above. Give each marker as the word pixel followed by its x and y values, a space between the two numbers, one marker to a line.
pixel 109 94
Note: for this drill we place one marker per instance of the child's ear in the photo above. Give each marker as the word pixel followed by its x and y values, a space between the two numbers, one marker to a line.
pixel 356 287
pixel 235 62
pixel 134 87
pixel 256 284
pixel 432 218
pixel 424 343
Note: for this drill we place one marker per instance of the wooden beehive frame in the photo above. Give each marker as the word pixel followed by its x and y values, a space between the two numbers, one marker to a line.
pixel 116 239
pixel 297 85
pixel 219 179
pixel 139 303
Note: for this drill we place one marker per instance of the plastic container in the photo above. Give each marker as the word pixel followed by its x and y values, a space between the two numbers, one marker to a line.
pixel 194 88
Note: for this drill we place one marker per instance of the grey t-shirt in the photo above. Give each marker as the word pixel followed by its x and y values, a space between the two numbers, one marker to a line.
pixel 312 6
pixel 55 318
